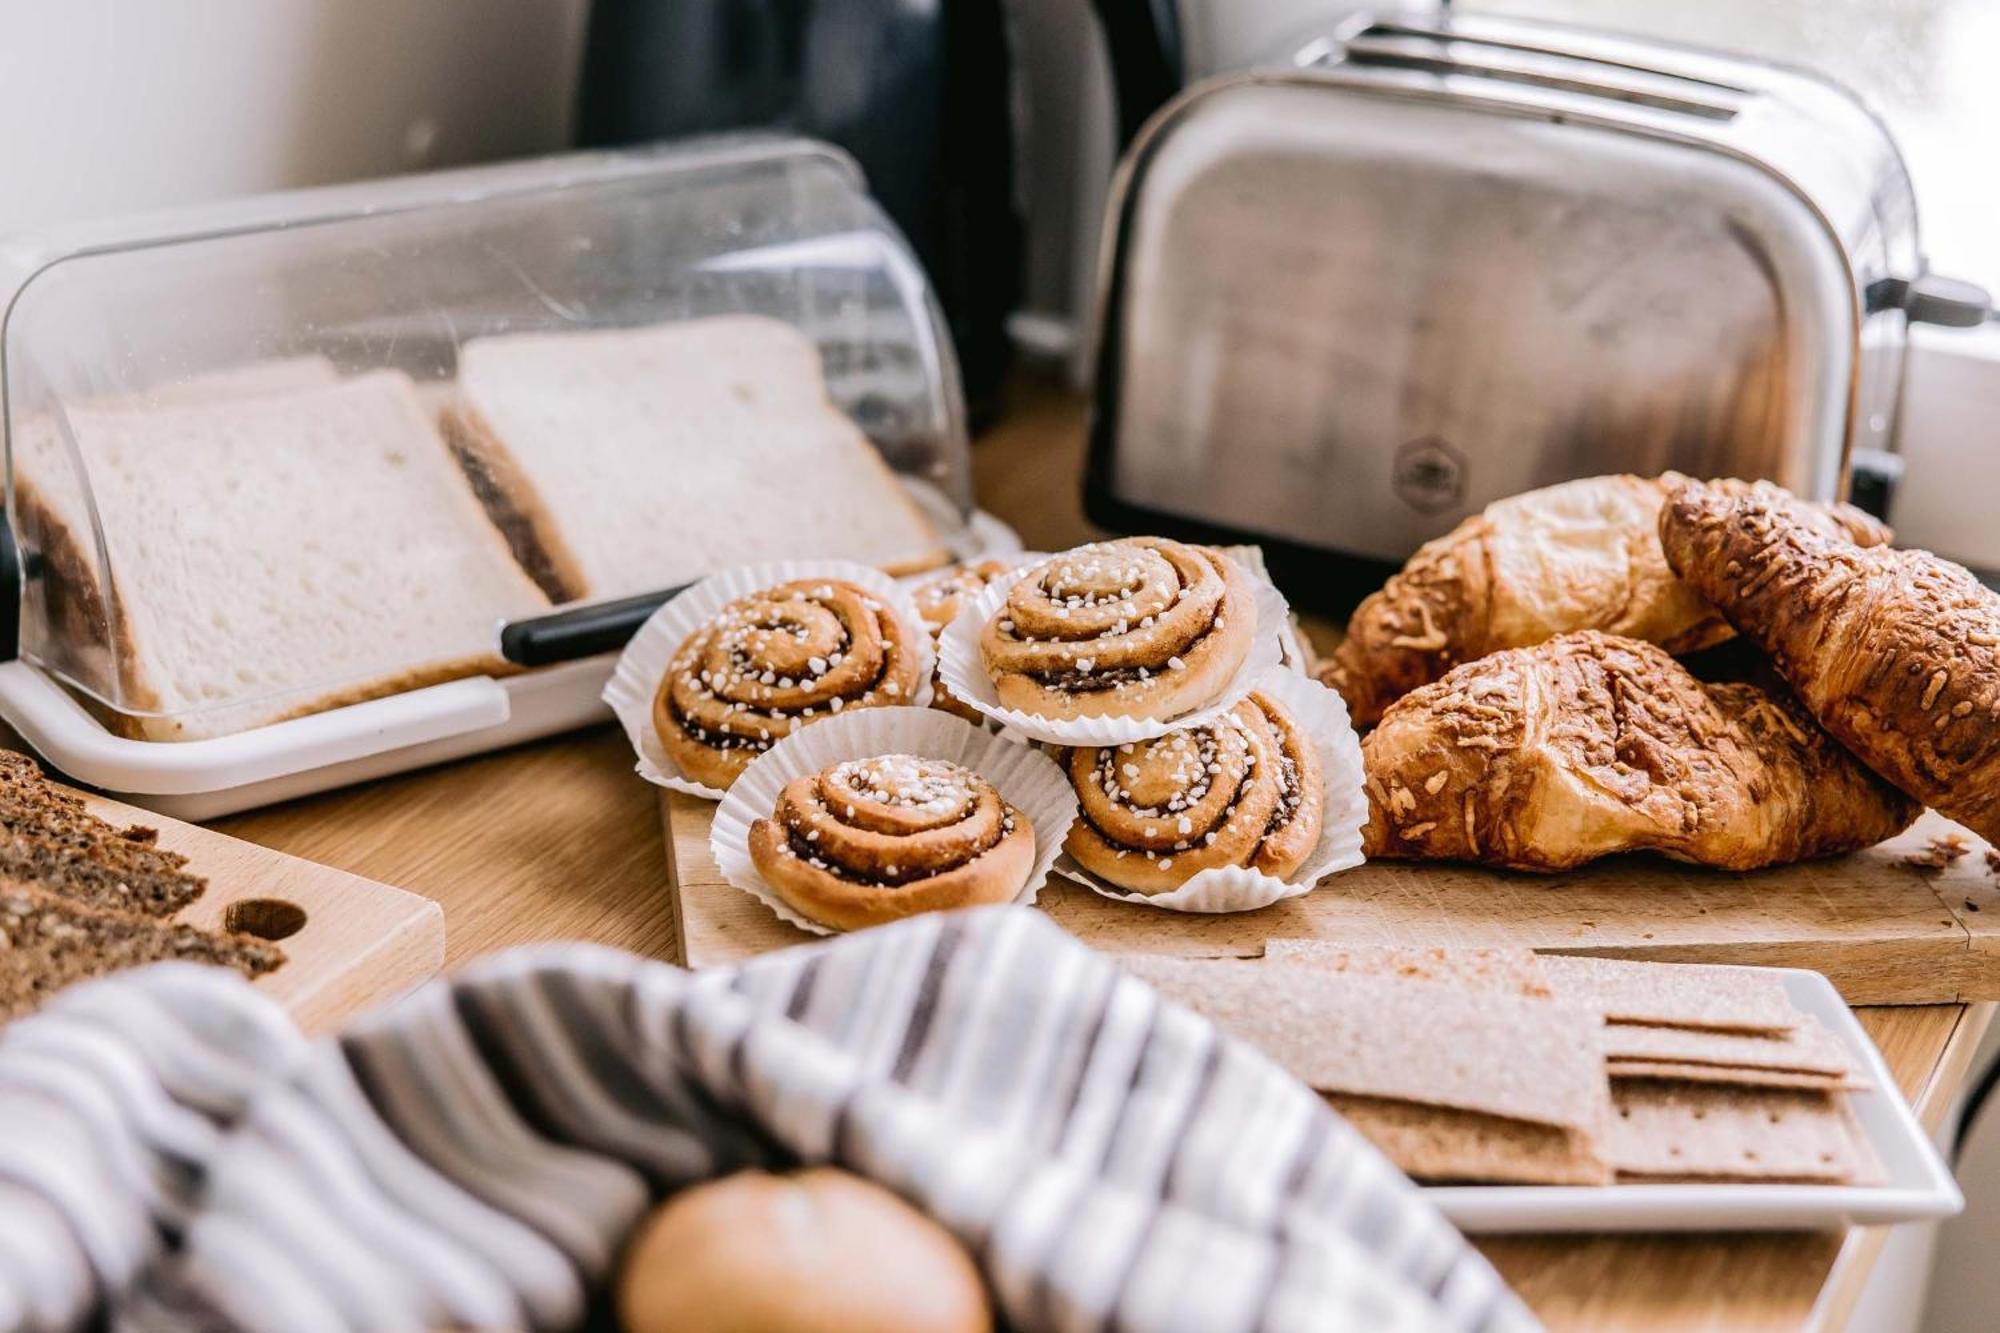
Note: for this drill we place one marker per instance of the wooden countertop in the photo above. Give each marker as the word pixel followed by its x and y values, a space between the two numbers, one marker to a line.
pixel 558 840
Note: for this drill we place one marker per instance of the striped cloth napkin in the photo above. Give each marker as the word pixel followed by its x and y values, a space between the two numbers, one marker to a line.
pixel 473 1155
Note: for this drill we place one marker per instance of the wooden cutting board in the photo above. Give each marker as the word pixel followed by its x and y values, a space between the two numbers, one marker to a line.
pixel 359 942
pixel 1882 930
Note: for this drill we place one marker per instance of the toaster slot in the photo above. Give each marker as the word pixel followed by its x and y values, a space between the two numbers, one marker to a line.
pixel 1452 52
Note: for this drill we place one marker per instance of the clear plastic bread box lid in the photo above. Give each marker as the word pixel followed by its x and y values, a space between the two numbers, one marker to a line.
pixel 283 454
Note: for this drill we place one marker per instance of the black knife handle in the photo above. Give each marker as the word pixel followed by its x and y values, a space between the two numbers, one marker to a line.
pixel 583 631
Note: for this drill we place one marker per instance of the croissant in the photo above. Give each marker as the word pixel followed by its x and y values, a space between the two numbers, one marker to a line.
pixel 1897 653
pixel 1581 555
pixel 1142 627
pixel 871 840
pixel 1544 758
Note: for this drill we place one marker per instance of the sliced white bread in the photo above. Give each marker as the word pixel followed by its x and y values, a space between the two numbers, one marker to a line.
pixel 622 461
pixel 277 553
pixel 55 515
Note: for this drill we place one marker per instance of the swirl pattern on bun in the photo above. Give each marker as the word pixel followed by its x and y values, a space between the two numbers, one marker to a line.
pixel 771 662
pixel 1243 790
pixel 1143 627
pixel 871 840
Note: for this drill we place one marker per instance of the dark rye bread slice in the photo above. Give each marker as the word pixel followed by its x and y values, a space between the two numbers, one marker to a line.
pixel 19 773
pixel 28 812
pixel 48 837
pixel 23 788
pixel 21 779
pixel 97 869
pixel 48 942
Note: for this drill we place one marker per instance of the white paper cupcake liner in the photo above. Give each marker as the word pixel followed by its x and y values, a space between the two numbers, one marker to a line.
pixel 1323 717
pixel 1294 651
pixel 1026 779
pixel 964 673
pixel 1020 560
pixel 636 678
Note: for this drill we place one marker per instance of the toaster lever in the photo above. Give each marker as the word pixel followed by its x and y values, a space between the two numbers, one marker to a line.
pixel 1872 477
pixel 1933 299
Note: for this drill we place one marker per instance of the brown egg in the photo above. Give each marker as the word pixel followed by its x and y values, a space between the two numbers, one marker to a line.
pixel 821 1251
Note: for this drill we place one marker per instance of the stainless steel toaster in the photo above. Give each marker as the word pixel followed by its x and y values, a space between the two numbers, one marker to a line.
pixel 1430 263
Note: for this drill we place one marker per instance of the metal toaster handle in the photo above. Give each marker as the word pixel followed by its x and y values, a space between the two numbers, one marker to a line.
pixel 1932 298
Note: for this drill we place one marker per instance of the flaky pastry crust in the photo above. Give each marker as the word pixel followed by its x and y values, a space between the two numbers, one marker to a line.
pixel 1581 555
pixel 1897 653
pixel 1586 745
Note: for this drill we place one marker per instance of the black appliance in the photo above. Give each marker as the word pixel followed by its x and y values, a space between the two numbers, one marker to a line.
pixel 916 90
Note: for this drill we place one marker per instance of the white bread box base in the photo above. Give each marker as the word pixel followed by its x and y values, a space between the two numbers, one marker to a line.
pixel 205 779
pixel 196 780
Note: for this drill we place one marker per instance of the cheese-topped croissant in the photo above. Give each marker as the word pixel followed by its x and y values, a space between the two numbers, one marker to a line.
pixel 1544 758
pixel 1581 555
pixel 1897 653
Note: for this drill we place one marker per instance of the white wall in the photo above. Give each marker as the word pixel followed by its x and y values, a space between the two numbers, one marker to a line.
pixel 110 106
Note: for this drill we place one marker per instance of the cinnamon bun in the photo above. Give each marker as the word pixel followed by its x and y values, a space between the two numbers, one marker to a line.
pixel 771 662
pixel 939 599
pixel 1142 627
pixel 871 840
pixel 1242 790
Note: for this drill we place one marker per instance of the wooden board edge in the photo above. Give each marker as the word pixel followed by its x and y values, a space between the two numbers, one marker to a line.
pixel 1957 964
pixel 400 933
pixel 408 955
pixel 676 914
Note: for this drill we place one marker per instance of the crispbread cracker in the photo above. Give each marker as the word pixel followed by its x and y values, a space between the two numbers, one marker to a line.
pixel 1805 1049
pixel 1516 971
pixel 1723 1133
pixel 1439 1143
pixel 1692 995
pixel 1738 1077
pixel 1416 1041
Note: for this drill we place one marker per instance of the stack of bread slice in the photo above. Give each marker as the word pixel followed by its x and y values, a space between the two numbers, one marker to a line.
pixel 80 898
pixel 1501 1066
pixel 265 541
pixel 622 461
pixel 270 551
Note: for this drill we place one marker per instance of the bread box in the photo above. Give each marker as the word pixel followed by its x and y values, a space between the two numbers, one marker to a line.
pixel 314 487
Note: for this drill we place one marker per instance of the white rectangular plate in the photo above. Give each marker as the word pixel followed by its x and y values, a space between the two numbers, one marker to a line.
pixel 1918 1185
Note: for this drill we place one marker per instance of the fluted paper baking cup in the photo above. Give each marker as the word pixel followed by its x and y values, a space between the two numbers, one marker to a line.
pixel 1026 779
pixel 636 678
pixel 1323 717
pixel 1293 649
pixel 1017 559
pixel 964 673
